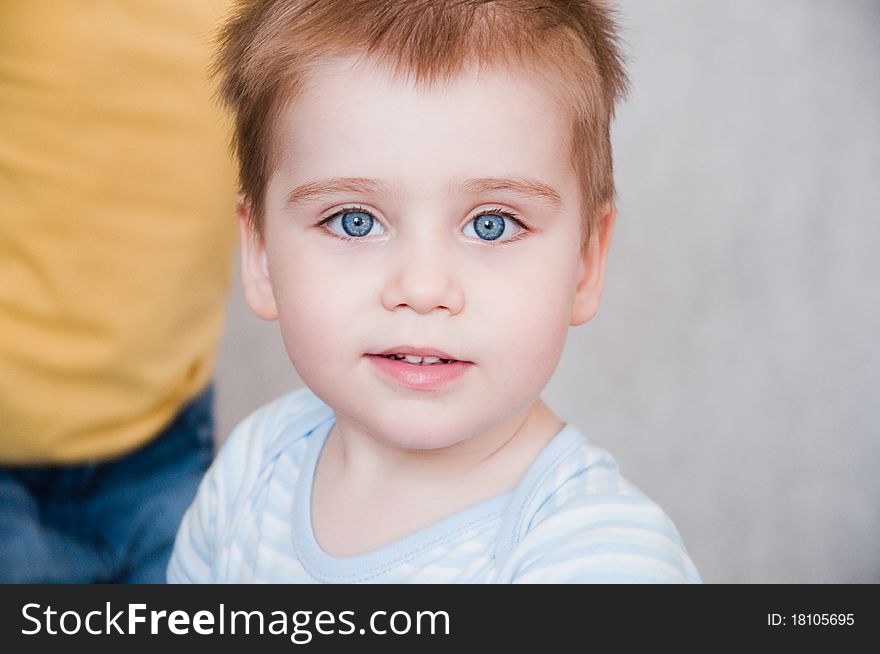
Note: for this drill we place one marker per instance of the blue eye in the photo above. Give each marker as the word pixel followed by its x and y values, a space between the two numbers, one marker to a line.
pixel 491 226
pixel 355 223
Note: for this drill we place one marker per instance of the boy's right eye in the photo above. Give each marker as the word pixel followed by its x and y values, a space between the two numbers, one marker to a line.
pixel 352 224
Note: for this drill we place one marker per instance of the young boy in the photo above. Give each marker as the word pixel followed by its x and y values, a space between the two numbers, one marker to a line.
pixel 427 206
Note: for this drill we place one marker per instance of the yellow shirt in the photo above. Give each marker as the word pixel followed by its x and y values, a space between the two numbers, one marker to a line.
pixel 116 226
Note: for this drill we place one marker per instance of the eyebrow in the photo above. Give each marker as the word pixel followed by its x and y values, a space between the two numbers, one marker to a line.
pixel 319 188
pixel 524 186
pixel 530 188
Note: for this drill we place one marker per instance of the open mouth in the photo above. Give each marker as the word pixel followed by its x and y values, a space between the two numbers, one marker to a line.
pixel 417 360
pixel 418 355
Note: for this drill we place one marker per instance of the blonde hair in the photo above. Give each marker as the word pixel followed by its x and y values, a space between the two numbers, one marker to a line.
pixel 267 47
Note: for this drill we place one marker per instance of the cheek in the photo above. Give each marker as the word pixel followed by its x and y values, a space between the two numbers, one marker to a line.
pixel 319 309
pixel 527 319
pixel 307 291
pixel 311 311
pixel 307 311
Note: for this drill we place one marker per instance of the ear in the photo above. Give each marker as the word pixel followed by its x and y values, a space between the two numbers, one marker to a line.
pixel 591 272
pixel 254 266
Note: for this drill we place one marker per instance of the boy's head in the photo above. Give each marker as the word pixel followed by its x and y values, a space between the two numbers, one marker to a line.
pixel 425 175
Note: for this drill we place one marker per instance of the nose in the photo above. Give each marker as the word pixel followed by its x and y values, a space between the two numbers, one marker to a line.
pixel 423 277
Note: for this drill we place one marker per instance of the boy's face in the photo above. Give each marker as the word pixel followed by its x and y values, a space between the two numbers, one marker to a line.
pixel 403 172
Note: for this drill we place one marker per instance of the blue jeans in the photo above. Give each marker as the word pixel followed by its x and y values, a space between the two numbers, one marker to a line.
pixel 108 522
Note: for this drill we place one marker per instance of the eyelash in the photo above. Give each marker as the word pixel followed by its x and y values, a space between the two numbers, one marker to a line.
pixel 498 211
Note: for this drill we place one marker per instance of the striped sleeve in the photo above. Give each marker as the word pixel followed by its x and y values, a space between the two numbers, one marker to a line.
pixel 605 538
pixel 194 556
pixel 193 549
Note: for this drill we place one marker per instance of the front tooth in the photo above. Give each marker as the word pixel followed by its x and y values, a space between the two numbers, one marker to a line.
pixel 410 358
pixel 429 360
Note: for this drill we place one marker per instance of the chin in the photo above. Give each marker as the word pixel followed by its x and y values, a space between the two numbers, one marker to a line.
pixel 418 434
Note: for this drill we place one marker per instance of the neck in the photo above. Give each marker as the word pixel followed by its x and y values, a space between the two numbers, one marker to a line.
pixel 497 457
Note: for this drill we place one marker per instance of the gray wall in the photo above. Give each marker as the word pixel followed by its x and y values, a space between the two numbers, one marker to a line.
pixel 733 367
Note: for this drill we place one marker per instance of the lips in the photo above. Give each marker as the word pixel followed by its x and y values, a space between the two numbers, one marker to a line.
pixel 419 368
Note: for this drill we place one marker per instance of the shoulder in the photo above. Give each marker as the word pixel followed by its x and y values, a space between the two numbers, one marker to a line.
pixel 273 429
pixel 237 477
pixel 583 521
pixel 297 412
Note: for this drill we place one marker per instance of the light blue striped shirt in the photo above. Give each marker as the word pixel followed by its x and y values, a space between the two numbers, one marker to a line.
pixel 572 518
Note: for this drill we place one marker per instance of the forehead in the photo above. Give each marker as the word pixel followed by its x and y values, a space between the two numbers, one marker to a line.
pixel 355 118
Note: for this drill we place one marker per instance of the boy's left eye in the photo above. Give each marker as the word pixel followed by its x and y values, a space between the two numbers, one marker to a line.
pixel 492 225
